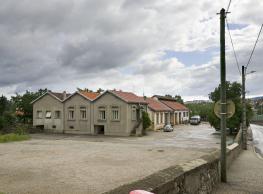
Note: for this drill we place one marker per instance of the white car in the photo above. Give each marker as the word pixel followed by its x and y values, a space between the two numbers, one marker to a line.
pixel 195 120
pixel 168 128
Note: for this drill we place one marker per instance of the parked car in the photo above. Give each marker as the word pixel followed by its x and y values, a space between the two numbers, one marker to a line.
pixel 195 120
pixel 168 128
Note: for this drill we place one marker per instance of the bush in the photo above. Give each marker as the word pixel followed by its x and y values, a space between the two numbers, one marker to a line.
pixel 21 130
pixel 146 120
pixel 13 137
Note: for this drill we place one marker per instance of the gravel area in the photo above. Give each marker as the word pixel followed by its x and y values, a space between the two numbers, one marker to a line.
pixel 88 164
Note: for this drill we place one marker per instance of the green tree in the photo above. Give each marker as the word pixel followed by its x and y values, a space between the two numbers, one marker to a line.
pixel 179 99
pixel 201 109
pixel 233 92
pixel 22 103
pixel 146 120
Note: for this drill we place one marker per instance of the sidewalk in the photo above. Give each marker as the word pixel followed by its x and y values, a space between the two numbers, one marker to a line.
pixel 245 175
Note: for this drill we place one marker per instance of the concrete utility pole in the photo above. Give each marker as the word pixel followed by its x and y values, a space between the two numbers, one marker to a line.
pixel 223 95
pixel 244 116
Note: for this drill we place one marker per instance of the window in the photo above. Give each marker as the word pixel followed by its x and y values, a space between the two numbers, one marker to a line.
pixel 161 117
pixel 115 113
pixel 71 114
pixel 134 114
pixel 83 113
pixel 157 118
pixel 102 113
pixel 57 114
pixel 48 114
pixel 39 114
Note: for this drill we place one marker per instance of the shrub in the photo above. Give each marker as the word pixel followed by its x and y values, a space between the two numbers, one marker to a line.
pixel 146 120
pixel 13 137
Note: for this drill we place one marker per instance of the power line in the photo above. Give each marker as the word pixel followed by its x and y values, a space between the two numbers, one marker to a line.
pixel 254 47
pixel 228 29
pixel 228 6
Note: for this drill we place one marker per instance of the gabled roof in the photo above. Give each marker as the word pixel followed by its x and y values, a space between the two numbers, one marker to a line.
pixel 87 95
pixel 174 105
pixel 156 105
pixel 60 95
pixel 127 97
pixel 90 95
pixel 56 95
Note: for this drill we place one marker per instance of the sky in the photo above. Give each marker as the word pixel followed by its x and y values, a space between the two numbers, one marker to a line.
pixel 146 47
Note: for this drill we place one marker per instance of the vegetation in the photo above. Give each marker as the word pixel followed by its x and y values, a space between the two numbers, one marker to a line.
pixel 13 137
pixel 202 109
pixel 22 104
pixel 233 92
pixel 146 120
pixel 177 98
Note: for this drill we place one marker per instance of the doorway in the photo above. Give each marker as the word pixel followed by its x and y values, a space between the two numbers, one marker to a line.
pixel 99 129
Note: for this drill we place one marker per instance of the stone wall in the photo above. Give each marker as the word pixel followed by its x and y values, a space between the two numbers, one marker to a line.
pixel 194 177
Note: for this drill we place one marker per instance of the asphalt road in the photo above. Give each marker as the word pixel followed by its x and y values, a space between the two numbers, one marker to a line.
pixel 257 131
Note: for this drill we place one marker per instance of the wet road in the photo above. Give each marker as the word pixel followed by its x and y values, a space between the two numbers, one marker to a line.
pixel 257 131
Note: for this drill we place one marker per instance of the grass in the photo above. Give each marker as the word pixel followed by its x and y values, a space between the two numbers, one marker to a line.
pixel 13 137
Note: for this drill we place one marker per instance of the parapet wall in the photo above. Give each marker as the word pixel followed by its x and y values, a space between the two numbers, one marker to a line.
pixel 196 176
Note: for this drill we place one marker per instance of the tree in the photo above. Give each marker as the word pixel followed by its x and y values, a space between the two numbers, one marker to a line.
pixel 202 109
pixel 179 99
pixel 22 103
pixel 146 120
pixel 233 92
pixel 4 105
pixel 84 90
pixel 100 90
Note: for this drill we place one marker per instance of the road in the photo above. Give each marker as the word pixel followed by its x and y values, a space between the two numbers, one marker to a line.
pixel 257 131
pixel 94 164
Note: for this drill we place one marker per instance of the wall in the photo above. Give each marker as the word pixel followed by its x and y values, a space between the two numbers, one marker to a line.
pixel 48 103
pixel 118 128
pixel 198 176
pixel 80 125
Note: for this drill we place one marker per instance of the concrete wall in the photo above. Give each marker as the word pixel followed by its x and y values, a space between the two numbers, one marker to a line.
pixel 77 125
pixel 198 176
pixel 111 127
pixel 49 103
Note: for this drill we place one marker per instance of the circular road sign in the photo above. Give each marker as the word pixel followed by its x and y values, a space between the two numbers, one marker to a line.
pixel 230 107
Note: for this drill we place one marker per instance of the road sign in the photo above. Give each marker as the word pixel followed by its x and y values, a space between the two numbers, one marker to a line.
pixel 230 109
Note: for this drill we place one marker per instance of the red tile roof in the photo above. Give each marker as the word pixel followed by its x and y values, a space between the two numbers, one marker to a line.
pixel 129 97
pixel 90 95
pixel 175 105
pixel 156 105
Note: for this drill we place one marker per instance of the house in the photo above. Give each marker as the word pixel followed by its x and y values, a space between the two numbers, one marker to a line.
pixel 48 111
pixel 180 113
pixel 158 112
pixel 110 113
pixel 78 112
pixel 118 113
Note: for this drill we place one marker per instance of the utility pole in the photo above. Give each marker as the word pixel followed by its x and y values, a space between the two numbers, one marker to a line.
pixel 244 123
pixel 223 95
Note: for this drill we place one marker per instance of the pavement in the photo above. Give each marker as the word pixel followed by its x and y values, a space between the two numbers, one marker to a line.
pixel 245 175
pixel 94 164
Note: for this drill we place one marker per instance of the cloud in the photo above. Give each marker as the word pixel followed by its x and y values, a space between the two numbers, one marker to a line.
pixel 121 44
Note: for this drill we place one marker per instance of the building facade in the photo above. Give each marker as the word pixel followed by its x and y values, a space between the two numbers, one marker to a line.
pixel 115 113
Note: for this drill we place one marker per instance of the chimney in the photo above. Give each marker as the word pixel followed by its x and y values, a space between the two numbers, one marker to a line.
pixel 64 95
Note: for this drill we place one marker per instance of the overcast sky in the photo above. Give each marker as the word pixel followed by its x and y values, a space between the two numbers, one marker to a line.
pixel 150 46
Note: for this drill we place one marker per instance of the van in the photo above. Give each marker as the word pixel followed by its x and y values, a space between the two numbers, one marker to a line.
pixel 195 120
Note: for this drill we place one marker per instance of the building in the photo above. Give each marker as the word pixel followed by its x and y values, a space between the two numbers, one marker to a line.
pixel 110 113
pixel 179 114
pixel 158 112
pixel 48 111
